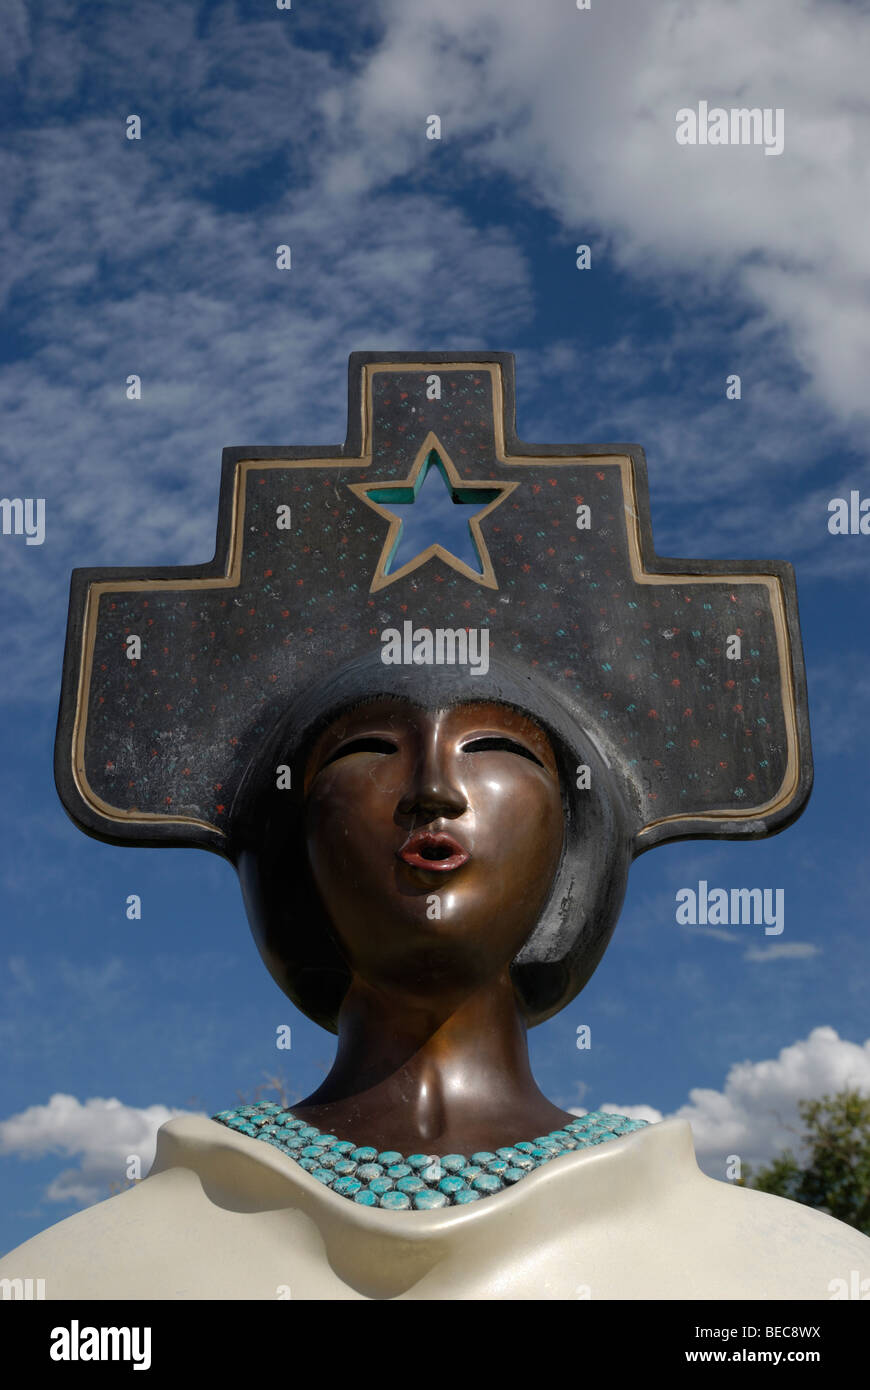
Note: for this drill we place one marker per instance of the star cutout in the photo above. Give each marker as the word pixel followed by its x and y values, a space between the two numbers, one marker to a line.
pixel 379 496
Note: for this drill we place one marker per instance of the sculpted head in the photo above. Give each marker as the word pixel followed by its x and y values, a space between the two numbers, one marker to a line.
pixel 428 844
pixel 433 836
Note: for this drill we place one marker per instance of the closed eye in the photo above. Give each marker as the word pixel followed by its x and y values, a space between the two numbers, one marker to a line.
pixel 493 744
pixel 361 745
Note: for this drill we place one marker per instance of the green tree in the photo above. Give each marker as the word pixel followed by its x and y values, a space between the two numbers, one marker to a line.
pixel 833 1173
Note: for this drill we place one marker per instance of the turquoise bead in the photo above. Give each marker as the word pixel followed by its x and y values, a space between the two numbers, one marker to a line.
pixel 367 1171
pixel 453 1163
pixel 427 1200
pixel 389 1157
pixel 422 1181
pixel 487 1182
pixel 450 1186
pixel 329 1159
pixel 410 1184
pixel 513 1175
pixel 395 1201
pixel 347 1186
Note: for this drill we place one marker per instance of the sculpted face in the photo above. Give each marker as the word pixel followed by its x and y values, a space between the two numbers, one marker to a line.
pixel 433 838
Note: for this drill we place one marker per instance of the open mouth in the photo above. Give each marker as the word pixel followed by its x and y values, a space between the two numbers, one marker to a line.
pixel 434 851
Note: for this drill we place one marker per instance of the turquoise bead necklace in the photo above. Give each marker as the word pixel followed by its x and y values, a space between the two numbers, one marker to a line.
pixel 420 1182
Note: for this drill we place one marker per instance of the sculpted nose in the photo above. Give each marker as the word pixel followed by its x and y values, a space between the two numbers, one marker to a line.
pixel 434 788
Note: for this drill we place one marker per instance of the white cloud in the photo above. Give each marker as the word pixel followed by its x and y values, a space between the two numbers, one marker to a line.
pixel 229 350
pixel 634 1112
pixel 755 1115
pixel 142 257
pixel 783 950
pixel 101 1133
pixel 715 933
pixel 580 108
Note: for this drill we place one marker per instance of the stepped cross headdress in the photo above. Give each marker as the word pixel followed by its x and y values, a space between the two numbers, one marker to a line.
pixel 688 674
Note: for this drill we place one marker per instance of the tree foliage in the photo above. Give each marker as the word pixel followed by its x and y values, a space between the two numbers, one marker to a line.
pixel 832 1173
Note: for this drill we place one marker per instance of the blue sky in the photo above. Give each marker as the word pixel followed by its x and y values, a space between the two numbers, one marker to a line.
pixel 156 257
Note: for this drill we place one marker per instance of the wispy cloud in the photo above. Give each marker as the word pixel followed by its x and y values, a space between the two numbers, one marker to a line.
pixel 140 261
pixel 157 257
pixel 579 108
pixel 783 950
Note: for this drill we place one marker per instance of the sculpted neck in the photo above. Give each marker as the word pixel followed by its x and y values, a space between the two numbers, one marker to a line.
pixel 451 1076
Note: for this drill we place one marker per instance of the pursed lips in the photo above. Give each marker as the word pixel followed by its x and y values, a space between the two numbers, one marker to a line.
pixel 435 851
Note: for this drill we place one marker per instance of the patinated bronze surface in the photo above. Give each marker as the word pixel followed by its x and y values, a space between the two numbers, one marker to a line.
pixel 433 837
pixel 432 781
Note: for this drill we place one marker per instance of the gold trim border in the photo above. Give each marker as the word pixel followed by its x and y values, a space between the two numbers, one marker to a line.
pixel 232 579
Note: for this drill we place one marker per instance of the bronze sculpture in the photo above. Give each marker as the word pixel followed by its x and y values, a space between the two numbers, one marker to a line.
pixel 433 837
pixel 433 834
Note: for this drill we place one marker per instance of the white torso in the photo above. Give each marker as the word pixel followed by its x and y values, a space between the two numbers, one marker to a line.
pixel 225 1216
